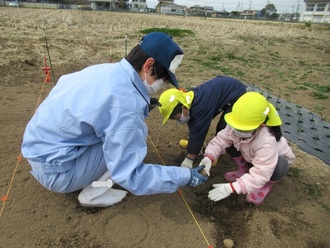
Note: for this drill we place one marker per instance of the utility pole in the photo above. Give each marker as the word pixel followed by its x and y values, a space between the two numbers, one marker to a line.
pixel 293 8
pixel 297 10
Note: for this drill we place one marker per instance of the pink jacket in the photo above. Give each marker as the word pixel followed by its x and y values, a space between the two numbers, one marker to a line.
pixel 261 150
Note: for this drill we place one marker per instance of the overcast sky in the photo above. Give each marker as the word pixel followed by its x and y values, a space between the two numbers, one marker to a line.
pixel 282 6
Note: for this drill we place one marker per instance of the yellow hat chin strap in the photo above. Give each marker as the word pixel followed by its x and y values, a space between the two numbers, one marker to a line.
pixel 273 117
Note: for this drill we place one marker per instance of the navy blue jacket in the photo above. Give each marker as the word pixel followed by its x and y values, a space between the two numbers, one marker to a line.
pixel 210 98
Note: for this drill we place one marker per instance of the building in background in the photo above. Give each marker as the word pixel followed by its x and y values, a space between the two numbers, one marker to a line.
pixel 316 11
pixel 138 5
pixel 102 4
pixel 196 10
pixel 208 10
pixel 171 8
pixel 248 14
pixel 107 4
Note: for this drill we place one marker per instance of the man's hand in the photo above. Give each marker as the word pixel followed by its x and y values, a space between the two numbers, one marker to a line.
pixel 196 177
pixel 187 162
pixel 208 163
pixel 221 191
pixel 153 103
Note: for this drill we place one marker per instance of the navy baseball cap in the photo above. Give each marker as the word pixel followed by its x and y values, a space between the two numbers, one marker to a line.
pixel 161 47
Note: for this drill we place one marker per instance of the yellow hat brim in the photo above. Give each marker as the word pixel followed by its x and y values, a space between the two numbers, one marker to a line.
pixel 231 122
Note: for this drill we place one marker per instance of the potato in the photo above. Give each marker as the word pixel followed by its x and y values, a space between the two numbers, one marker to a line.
pixel 203 172
pixel 228 243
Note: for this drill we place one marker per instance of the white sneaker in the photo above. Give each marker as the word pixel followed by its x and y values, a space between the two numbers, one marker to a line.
pixel 100 193
pixel 100 197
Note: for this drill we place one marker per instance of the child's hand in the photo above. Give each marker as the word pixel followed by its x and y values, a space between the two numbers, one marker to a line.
pixel 221 191
pixel 208 163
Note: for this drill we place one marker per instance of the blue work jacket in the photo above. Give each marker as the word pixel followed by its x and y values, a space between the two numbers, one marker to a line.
pixel 105 103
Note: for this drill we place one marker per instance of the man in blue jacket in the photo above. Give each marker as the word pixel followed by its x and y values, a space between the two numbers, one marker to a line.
pixel 198 107
pixel 91 127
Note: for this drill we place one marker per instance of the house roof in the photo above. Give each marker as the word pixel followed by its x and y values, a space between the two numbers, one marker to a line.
pixel 172 5
pixel 101 1
pixel 316 1
pixel 196 6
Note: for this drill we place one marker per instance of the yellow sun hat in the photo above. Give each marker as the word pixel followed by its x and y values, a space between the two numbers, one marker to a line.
pixel 250 111
pixel 170 98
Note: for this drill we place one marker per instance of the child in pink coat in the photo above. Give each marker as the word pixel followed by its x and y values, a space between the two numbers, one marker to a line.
pixel 253 127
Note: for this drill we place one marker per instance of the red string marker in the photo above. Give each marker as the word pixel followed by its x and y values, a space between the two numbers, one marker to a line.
pixel 47 70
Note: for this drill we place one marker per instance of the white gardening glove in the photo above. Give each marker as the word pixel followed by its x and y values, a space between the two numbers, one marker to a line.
pixel 221 191
pixel 108 183
pixel 208 163
pixel 188 163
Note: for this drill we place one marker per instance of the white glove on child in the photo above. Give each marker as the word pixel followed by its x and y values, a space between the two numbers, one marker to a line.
pixel 208 163
pixel 221 191
pixel 188 163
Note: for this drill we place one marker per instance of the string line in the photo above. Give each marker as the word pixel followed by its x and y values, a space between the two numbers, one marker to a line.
pixel 5 198
pixel 184 200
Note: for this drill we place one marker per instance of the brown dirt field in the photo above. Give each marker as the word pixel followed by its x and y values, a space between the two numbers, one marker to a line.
pixel 290 61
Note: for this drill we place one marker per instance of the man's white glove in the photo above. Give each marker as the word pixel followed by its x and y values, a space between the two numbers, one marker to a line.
pixel 188 163
pixel 208 163
pixel 221 191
